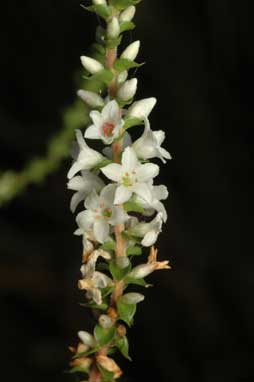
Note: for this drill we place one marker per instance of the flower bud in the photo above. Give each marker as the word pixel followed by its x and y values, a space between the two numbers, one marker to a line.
pixel 99 2
pixel 122 262
pixel 86 338
pixel 90 98
pixel 132 298
pixel 109 364
pixel 91 65
pixel 105 321
pixel 131 52
pixel 141 271
pixel 141 109
pixel 113 28
pixel 122 77
pixel 127 90
pixel 127 14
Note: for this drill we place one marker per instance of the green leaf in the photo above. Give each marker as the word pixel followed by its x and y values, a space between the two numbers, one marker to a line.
pixel 122 64
pixel 108 245
pixel 101 10
pixel 141 282
pixel 117 272
pixel 123 346
pixel 114 42
pixel 78 369
pixel 92 305
pixel 126 26
pixel 123 4
pixel 86 353
pixel 132 206
pixel 104 336
pixel 107 376
pixel 106 291
pixel 126 312
pixel 104 75
pixel 132 121
pixel 134 251
pixel 99 48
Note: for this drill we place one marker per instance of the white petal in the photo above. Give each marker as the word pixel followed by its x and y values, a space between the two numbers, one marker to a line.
pixel 160 192
pixel 76 167
pixel 111 110
pixel 80 139
pixel 96 118
pixel 164 153
pixel 149 239
pixel 119 216
pixel 113 171
pixel 142 190
pixel 92 201
pixel 93 132
pixel 147 171
pixel 76 183
pixel 85 220
pixel 129 159
pixel 160 136
pixel 158 206
pixel 76 199
pixel 101 230
pixel 122 195
pixel 108 194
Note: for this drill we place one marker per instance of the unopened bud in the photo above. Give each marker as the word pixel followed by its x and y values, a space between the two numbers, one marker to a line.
pixel 105 321
pixel 141 271
pixel 141 109
pixel 113 28
pixel 90 98
pixel 84 362
pixel 132 298
pixel 86 338
pixel 127 90
pixel 99 2
pixel 109 364
pixel 127 14
pixel 122 262
pixel 131 52
pixel 91 65
pixel 122 77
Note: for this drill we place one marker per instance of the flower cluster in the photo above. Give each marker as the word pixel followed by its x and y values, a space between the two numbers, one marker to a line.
pixel 122 210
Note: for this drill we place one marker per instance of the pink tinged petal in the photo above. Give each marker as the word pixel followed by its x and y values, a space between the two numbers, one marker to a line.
pixel 129 159
pixel 123 194
pixel 101 230
pixel 108 194
pixel 76 167
pixel 92 201
pixel 146 172
pixel 111 111
pixel 143 191
pixel 150 238
pixel 93 132
pixel 113 171
pixel 85 220
pixel 76 199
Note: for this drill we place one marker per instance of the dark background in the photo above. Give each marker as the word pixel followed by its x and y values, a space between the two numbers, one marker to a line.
pixel 197 323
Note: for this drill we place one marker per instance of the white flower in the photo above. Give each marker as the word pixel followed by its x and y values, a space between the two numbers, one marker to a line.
pixel 131 52
pixel 149 231
pixel 127 14
pixel 127 90
pixel 91 65
pixel 132 298
pixel 100 213
pixel 83 184
pixel 107 124
pixel 87 157
pixel 143 270
pixel 142 108
pixel 122 77
pixel 99 2
pixel 158 193
pixel 131 176
pixel 149 144
pixel 94 284
pixel 113 28
pixel 86 338
pixel 90 98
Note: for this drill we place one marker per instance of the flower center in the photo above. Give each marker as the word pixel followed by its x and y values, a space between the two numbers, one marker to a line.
pixel 127 180
pixel 107 213
pixel 107 129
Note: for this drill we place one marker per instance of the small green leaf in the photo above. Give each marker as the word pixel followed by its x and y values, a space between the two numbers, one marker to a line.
pixel 104 75
pixel 134 251
pixel 141 282
pixel 114 42
pixel 123 346
pixel 123 4
pixel 99 48
pixel 86 353
pixel 104 336
pixel 108 245
pixel 106 291
pixel 126 26
pixel 78 369
pixel 107 376
pixel 126 312
pixel 94 306
pixel 132 121
pixel 101 10
pixel 132 206
pixel 122 64
pixel 117 272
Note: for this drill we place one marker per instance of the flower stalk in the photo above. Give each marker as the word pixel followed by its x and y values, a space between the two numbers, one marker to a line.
pixel 123 212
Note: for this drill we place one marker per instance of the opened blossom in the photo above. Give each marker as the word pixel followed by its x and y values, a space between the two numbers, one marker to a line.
pixel 100 214
pixel 131 177
pixel 107 124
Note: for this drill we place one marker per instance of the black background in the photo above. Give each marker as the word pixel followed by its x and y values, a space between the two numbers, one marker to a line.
pixel 196 324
